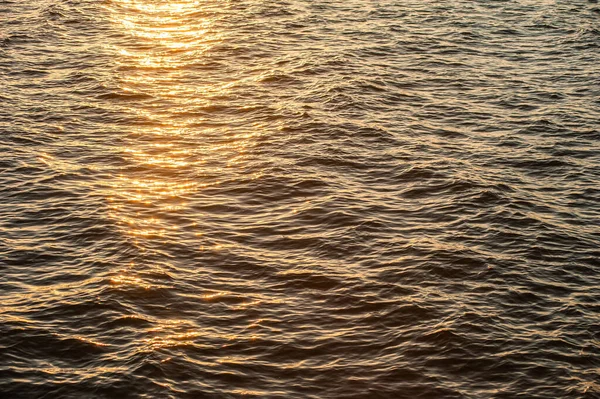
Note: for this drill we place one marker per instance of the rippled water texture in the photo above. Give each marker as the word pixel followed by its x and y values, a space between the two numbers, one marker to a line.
pixel 299 199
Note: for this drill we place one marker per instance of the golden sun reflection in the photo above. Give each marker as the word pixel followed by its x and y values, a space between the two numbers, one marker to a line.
pixel 181 145
pixel 158 150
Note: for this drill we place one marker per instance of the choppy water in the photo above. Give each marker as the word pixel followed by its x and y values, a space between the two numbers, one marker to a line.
pixel 316 199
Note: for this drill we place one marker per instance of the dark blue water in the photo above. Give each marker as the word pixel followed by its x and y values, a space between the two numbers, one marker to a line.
pixel 299 199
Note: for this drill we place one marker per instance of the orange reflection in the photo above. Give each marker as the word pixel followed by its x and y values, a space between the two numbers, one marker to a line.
pixel 156 28
pixel 175 153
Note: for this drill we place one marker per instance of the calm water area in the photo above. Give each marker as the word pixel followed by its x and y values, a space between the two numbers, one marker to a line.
pixel 299 199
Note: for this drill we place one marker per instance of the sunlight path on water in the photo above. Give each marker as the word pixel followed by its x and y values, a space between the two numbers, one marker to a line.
pixel 175 151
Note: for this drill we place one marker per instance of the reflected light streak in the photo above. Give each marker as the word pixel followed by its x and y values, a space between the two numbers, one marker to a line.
pixel 168 156
pixel 162 27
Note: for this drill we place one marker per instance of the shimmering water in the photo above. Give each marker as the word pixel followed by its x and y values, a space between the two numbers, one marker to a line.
pixel 299 199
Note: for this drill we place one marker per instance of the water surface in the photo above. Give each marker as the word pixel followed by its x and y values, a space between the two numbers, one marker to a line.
pixel 315 199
